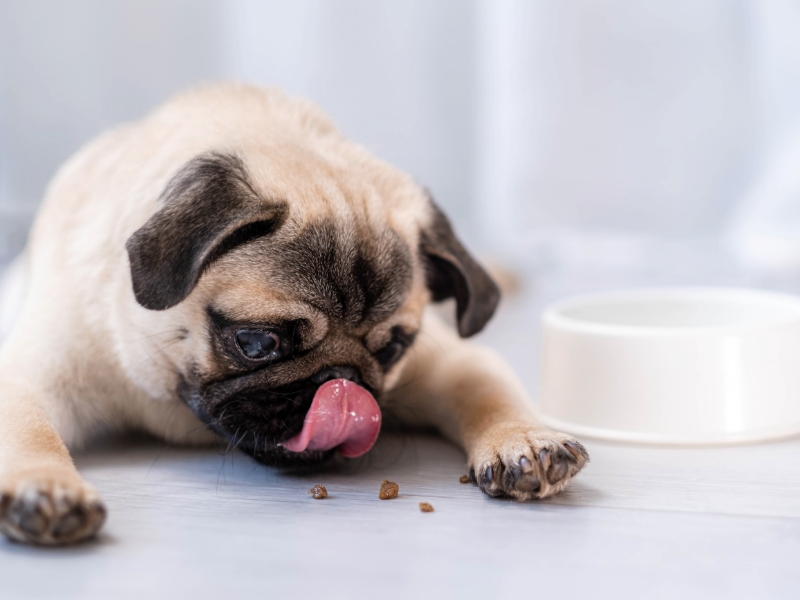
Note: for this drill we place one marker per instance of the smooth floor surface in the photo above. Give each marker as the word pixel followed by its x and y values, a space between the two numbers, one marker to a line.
pixel 638 523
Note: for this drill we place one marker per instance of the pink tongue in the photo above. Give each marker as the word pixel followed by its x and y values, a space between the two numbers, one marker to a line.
pixel 342 414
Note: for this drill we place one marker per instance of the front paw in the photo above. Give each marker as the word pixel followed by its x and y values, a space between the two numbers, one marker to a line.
pixel 525 462
pixel 49 508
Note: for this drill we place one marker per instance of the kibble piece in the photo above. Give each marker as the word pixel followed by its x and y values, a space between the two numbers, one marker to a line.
pixel 463 479
pixel 389 490
pixel 425 507
pixel 318 492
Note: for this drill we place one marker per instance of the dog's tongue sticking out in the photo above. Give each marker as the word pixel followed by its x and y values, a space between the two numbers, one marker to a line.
pixel 343 415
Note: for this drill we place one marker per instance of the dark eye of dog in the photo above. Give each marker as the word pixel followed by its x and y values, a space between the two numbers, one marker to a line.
pixel 390 353
pixel 258 345
pixel 394 350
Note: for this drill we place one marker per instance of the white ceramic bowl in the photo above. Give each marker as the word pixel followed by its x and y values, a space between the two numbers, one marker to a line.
pixel 673 366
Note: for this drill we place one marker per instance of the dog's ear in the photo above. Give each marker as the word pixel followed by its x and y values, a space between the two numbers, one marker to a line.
pixel 207 209
pixel 452 273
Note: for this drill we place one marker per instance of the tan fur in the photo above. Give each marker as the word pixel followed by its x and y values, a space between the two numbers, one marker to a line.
pixel 84 354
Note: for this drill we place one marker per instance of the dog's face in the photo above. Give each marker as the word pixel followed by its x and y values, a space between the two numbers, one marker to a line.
pixel 320 273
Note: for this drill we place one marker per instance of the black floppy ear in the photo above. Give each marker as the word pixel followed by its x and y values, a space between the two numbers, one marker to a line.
pixel 207 209
pixel 453 273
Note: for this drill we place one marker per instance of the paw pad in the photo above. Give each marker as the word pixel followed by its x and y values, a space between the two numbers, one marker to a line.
pixel 525 463
pixel 50 514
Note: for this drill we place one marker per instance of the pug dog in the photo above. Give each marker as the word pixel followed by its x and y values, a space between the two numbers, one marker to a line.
pixel 233 266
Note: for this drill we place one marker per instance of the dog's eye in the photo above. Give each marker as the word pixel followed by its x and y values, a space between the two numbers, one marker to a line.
pixel 390 353
pixel 258 345
pixel 394 350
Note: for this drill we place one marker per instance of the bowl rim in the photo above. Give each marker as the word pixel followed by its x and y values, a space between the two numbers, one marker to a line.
pixel 627 436
pixel 553 316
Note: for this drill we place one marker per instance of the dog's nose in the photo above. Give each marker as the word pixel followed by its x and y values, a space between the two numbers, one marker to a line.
pixel 341 372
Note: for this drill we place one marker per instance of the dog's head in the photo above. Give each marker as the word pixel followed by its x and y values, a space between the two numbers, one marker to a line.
pixel 298 291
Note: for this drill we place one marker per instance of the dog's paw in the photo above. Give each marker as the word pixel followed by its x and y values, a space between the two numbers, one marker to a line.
pixel 50 510
pixel 525 462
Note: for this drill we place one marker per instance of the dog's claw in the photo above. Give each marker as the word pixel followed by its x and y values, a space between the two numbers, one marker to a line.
pixel 74 520
pixel 577 450
pixel 32 522
pixel 557 472
pixel 525 464
pixel 544 459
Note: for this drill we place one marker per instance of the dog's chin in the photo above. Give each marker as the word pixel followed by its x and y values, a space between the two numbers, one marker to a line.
pixel 264 444
pixel 278 456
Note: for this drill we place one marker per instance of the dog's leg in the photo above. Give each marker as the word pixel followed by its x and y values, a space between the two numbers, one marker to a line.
pixel 43 499
pixel 471 395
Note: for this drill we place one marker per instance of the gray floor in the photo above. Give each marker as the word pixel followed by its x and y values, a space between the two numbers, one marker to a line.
pixel 639 522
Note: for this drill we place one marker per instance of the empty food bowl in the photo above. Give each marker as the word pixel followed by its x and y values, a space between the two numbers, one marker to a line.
pixel 673 366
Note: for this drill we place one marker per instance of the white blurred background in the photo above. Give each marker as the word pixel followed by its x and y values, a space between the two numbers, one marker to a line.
pixel 597 142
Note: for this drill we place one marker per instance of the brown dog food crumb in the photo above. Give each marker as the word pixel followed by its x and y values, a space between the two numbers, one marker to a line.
pixel 318 492
pixel 463 479
pixel 425 507
pixel 389 490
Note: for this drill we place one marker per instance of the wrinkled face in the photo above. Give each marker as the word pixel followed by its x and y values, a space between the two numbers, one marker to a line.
pixel 307 319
